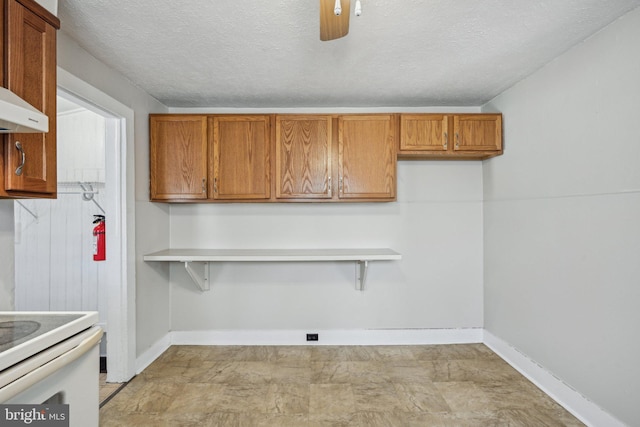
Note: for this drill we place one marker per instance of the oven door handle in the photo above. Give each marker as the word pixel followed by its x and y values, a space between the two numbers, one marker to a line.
pixel 23 383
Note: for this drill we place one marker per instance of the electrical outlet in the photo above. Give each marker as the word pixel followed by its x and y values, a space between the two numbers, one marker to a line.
pixel 312 337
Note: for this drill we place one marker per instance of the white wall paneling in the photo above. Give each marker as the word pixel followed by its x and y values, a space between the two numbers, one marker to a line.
pixel 54 267
pixel 56 235
pixel 81 151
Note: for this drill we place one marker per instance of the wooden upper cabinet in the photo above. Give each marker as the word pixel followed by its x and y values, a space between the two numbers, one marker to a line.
pixel 241 153
pixel 424 132
pixel 437 136
pixel 303 157
pixel 478 132
pixel 178 157
pixel 29 160
pixel 367 157
pixel 316 158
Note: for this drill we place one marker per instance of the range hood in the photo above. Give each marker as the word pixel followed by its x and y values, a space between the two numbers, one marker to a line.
pixel 18 116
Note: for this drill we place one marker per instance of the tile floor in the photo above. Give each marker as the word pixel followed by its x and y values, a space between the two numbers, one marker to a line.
pixel 444 385
pixel 107 389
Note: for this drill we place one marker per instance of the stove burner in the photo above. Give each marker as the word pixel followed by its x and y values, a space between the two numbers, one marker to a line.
pixel 16 329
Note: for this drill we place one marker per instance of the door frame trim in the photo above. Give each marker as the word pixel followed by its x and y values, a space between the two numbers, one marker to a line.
pixel 121 318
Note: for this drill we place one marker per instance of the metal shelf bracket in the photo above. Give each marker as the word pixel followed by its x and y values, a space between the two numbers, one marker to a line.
pixel 361 274
pixel 201 280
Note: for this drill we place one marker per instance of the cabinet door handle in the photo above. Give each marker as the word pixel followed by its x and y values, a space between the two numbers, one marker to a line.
pixel 204 185
pixel 215 185
pixel 330 186
pixel 340 184
pixel 457 140
pixel 23 158
pixel 446 141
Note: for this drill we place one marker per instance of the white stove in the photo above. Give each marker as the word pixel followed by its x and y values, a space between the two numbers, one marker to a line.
pixel 51 357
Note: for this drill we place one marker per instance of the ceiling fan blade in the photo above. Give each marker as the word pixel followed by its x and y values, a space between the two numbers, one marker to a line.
pixel 332 26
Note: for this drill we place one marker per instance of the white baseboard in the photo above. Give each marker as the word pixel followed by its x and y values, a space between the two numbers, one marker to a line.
pixel 297 337
pixel 581 407
pixel 329 337
pixel 152 353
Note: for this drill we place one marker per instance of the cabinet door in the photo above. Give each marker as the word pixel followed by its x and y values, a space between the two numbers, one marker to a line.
pixel 478 132
pixel 367 161
pixel 31 73
pixel 303 157
pixel 178 156
pixel 424 132
pixel 241 168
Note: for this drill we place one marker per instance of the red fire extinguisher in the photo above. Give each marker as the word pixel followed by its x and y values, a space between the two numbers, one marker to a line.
pixel 99 242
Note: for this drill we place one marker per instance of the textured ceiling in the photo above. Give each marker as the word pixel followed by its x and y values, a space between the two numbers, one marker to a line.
pixel 233 53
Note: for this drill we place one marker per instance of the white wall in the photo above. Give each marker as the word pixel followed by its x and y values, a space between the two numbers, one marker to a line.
pixel 6 256
pixel 436 225
pixel 147 232
pixel 561 219
pixel 51 5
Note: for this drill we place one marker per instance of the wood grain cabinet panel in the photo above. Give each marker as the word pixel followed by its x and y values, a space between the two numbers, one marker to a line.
pixel 454 136
pixel 367 160
pixel 317 158
pixel 178 157
pixel 303 157
pixel 29 59
pixel 424 132
pixel 478 132
pixel 241 159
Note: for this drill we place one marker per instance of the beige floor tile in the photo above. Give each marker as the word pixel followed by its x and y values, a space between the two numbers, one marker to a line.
pixel 373 397
pixel 421 397
pixel 452 352
pixel 410 371
pixel 199 398
pixel 288 399
pixel 404 419
pixel 465 397
pixel 393 353
pixel 348 372
pixel 150 397
pixel 170 420
pixel 293 353
pixel 536 416
pixel 477 370
pixel 274 420
pixel 212 398
pixel 342 354
pixel 222 352
pixel 382 419
pixel 256 353
pixel 333 420
pixel 234 372
pixel 291 372
pixel 519 394
pixel 244 398
pixel 326 399
pixel 106 389
pixel 450 386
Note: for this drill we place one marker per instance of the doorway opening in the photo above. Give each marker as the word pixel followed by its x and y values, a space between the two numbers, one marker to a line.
pixel 55 267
